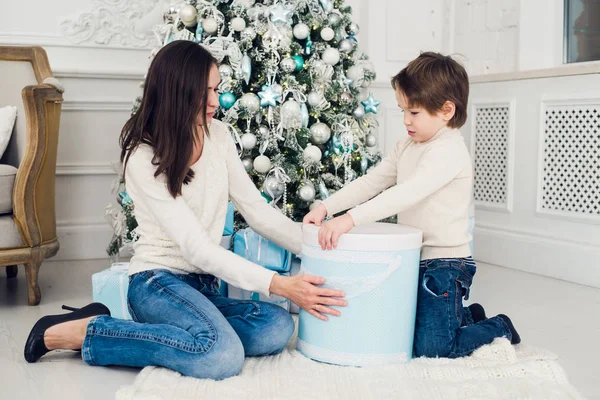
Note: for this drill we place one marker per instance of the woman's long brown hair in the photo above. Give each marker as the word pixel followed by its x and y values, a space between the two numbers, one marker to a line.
pixel 175 93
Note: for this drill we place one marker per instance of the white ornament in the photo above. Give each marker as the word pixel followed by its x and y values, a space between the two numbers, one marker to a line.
pixel 238 24
pixel 327 34
pixel 320 133
pixel 301 31
pixel 359 112
pixel 331 56
pixel 251 102
pixel 314 98
pixel 188 14
pixel 355 73
pixel 345 46
pixel 210 25
pixel 307 192
pixel 371 140
pixel 248 141
pixel 262 164
pixel 291 115
pixel 312 153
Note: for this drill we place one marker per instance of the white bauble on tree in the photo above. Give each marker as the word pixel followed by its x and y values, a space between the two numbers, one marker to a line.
pixel 371 140
pixel 248 141
pixel 327 34
pixel 331 56
pixel 307 191
pixel 188 15
pixel 320 133
pixel 345 46
pixel 359 112
pixel 251 102
pixel 238 24
pixel 225 71
pixel 355 72
pixel 210 25
pixel 262 164
pixel 314 98
pixel 312 154
pixel 301 31
pixel 273 187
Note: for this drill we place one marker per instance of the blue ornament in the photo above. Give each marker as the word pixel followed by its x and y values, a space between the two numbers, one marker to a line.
pixel 279 13
pixel 246 68
pixel 125 199
pixel 370 104
pixel 352 37
pixel 227 100
pixel 323 190
pixel 308 47
pixel 304 115
pixel 268 96
pixel 199 32
pixel 299 62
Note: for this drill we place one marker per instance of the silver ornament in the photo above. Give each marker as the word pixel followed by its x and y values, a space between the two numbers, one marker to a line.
pixel 248 34
pixel 225 71
pixel 247 162
pixel 273 187
pixel 320 133
pixel 345 46
pixel 334 19
pixel 331 56
pixel 251 102
pixel 262 164
pixel 371 140
pixel 248 141
pixel 307 191
pixel 346 97
pixel 291 115
pixel 359 112
pixel 355 73
pixel 314 98
pixel 304 115
pixel 263 130
pixel 312 154
pixel 352 29
pixel 288 65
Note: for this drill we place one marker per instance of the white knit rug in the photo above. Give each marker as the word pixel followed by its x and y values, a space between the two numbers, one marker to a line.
pixel 495 371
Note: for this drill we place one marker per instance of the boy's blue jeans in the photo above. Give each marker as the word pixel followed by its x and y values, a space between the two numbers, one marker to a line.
pixel 443 327
pixel 182 322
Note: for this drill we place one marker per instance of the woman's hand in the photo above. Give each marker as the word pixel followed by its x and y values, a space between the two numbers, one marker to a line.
pixel 316 216
pixel 331 231
pixel 301 290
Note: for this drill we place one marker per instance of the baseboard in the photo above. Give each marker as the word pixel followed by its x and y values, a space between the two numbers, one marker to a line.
pixel 83 241
pixel 541 255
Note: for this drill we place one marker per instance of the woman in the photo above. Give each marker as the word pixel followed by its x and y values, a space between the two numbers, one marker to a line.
pixel 180 168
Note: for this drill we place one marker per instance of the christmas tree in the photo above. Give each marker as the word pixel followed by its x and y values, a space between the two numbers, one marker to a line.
pixel 290 92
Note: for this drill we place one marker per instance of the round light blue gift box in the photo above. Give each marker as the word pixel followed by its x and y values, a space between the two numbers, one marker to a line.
pixel 377 266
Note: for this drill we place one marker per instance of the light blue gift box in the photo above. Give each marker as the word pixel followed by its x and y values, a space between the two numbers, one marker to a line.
pixel 377 266
pixel 257 249
pixel 237 293
pixel 110 288
pixel 228 229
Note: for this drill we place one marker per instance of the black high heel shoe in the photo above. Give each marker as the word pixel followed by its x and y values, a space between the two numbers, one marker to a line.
pixel 35 346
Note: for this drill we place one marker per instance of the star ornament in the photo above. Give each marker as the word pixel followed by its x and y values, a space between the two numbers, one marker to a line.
pixel 280 14
pixel 371 104
pixel 268 96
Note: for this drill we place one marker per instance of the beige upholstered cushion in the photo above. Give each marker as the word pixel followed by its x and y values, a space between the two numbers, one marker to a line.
pixel 7 182
pixel 9 233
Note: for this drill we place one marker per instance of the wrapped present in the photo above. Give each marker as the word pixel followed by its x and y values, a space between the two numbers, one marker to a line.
pixel 237 293
pixel 110 288
pixel 257 249
pixel 228 229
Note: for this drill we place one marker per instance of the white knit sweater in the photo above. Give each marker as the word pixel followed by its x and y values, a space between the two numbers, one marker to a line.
pixel 429 187
pixel 183 234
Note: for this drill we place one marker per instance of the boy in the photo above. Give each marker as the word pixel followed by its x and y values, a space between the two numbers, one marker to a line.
pixel 426 180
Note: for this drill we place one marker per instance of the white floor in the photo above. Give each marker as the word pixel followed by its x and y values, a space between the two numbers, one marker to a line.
pixel 556 315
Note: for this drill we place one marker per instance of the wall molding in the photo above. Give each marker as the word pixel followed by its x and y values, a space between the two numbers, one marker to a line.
pixel 82 240
pixel 513 248
pixel 76 169
pixel 97 105
pixel 49 40
pixel 122 74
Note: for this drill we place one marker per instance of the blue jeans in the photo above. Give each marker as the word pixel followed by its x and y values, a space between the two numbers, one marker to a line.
pixel 443 327
pixel 181 322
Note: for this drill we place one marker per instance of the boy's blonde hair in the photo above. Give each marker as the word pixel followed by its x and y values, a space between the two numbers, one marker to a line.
pixel 430 80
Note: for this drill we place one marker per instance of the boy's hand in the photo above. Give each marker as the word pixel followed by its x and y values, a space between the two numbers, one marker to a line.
pixel 331 231
pixel 316 216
